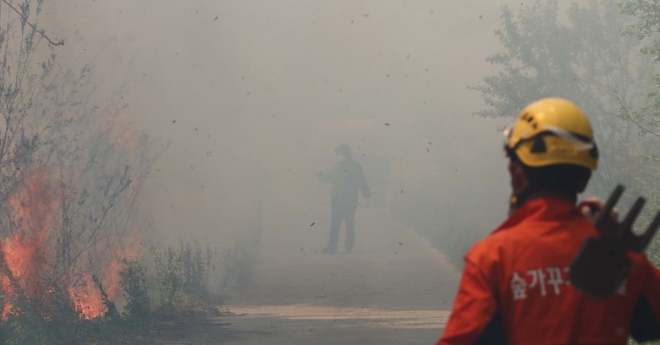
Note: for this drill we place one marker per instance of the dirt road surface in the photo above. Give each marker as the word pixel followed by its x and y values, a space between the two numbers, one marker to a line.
pixel 395 288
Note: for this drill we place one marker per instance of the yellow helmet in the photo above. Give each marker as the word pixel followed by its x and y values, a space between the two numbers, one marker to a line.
pixel 552 131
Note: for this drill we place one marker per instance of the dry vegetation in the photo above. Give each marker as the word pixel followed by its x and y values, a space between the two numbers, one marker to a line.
pixel 73 267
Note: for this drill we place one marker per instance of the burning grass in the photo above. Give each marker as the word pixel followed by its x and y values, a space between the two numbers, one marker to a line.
pixel 71 273
pixel 46 300
pixel 54 318
pixel 172 285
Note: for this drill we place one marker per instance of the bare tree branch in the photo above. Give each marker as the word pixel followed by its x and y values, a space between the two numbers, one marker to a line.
pixel 60 43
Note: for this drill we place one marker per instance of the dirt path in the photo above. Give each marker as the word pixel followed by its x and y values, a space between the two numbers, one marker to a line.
pixel 394 289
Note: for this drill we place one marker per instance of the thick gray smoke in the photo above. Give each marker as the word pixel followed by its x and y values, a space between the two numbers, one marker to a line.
pixel 255 96
pixel 249 100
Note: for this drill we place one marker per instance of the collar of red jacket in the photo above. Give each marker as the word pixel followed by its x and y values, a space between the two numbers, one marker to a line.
pixel 542 209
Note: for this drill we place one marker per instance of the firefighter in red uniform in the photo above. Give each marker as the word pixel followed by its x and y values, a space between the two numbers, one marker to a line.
pixel 515 287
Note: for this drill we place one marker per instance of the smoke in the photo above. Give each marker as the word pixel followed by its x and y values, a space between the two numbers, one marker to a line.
pixel 253 97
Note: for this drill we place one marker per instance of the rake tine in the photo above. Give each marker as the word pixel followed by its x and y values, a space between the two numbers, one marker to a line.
pixel 642 241
pixel 627 223
pixel 605 212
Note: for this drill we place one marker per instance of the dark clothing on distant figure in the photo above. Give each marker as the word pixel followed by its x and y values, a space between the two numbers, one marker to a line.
pixel 347 178
pixel 342 213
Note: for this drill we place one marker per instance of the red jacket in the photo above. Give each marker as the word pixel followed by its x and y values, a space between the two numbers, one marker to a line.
pixel 515 287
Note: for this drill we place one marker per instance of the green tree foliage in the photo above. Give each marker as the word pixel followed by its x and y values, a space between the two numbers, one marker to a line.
pixel 645 15
pixel 582 56
pixel 645 26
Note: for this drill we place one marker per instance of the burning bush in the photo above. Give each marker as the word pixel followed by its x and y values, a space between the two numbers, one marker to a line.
pixel 31 252
pixel 55 229
pixel 32 320
pixel 71 169
pixel 72 164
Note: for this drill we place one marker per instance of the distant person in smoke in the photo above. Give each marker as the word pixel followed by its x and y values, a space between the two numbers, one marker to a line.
pixel 347 178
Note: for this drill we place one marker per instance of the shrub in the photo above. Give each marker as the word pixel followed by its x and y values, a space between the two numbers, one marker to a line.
pixel 168 267
pixel 185 270
pixel 138 300
pixel 195 267
pixel 55 320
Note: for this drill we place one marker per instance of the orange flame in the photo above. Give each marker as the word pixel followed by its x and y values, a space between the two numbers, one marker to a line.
pixel 28 251
pixel 87 297
pixel 25 253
